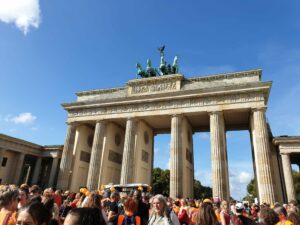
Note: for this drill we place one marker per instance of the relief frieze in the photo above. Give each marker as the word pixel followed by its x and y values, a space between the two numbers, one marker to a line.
pixel 170 104
pixel 159 87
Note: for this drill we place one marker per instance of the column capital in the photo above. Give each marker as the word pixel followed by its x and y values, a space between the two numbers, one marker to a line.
pixel 74 124
pixel 259 109
pixel 216 112
pixel 177 115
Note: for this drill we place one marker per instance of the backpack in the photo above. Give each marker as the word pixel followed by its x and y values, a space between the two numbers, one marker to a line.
pixel 129 220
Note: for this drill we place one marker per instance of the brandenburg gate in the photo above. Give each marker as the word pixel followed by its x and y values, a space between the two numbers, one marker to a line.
pixel 110 134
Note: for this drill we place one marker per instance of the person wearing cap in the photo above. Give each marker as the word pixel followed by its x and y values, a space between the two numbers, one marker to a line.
pixel 239 218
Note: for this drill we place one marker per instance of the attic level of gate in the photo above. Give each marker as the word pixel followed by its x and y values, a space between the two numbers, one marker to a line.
pixel 155 99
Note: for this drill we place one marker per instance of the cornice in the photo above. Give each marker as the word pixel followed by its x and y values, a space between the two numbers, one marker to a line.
pixel 213 77
pixel 286 140
pixel 262 87
pixel 100 91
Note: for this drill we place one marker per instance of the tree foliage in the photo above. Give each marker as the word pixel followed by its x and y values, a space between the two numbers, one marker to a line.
pixel 161 185
pixel 201 192
pixel 251 188
pixel 296 178
pixel 161 181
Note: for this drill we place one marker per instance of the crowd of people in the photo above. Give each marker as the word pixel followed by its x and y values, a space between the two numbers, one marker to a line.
pixel 27 205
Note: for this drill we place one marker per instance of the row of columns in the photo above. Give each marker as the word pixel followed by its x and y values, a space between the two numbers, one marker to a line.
pixel 219 159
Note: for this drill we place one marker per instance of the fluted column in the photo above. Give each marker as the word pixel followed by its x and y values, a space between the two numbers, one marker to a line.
pixel 18 168
pixel 220 178
pixel 66 160
pixel 37 170
pixel 128 153
pixel 262 156
pixel 53 172
pixel 176 170
pixel 94 168
pixel 288 177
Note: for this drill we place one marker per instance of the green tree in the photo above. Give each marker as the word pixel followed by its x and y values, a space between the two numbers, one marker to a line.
pixel 161 181
pixel 251 188
pixel 296 178
pixel 161 185
pixel 201 192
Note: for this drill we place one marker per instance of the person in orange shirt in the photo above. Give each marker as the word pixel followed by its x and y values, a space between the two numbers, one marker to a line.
pixel 8 204
pixel 129 218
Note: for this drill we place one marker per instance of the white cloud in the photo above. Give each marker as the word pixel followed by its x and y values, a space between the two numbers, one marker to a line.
pixel 244 177
pixel 204 136
pixel 23 13
pixel 22 118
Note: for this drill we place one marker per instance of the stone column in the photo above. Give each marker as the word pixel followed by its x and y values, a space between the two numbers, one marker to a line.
pixel 288 177
pixel 94 168
pixel 66 160
pixel 37 170
pixel 176 170
pixel 128 153
pixel 262 156
pixel 220 179
pixel 18 168
pixel 53 172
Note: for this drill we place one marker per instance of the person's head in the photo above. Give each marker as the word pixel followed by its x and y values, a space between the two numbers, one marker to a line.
pixel 34 214
pixel 206 215
pixel 267 216
pixel 192 203
pixel 183 202
pixel 294 218
pixel 84 216
pixel 34 190
pixel 137 195
pixel 159 204
pixel 224 205
pixel 23 195
pixel 281 212
pixel 94 200
pixel 9 197
pixel 130 205
pixel 239 207
pixel 115 196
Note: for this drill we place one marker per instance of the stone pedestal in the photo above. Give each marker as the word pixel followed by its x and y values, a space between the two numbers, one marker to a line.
pixel 262 156
pixel 288 177
pixel 176 170
pixel 53 172
pixel 220 179
pixel 94 168
pixel 66 160
pixel 128 157
pixel 37 170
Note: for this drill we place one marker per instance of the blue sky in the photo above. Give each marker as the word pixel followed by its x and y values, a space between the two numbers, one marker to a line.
pixel 51 49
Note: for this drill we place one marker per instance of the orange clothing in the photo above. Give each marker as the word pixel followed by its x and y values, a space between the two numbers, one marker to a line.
pixel 176 210
pixel 193 215
pixel 122 217
pixel 11 218
pixel 218 216
pixel 287 222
